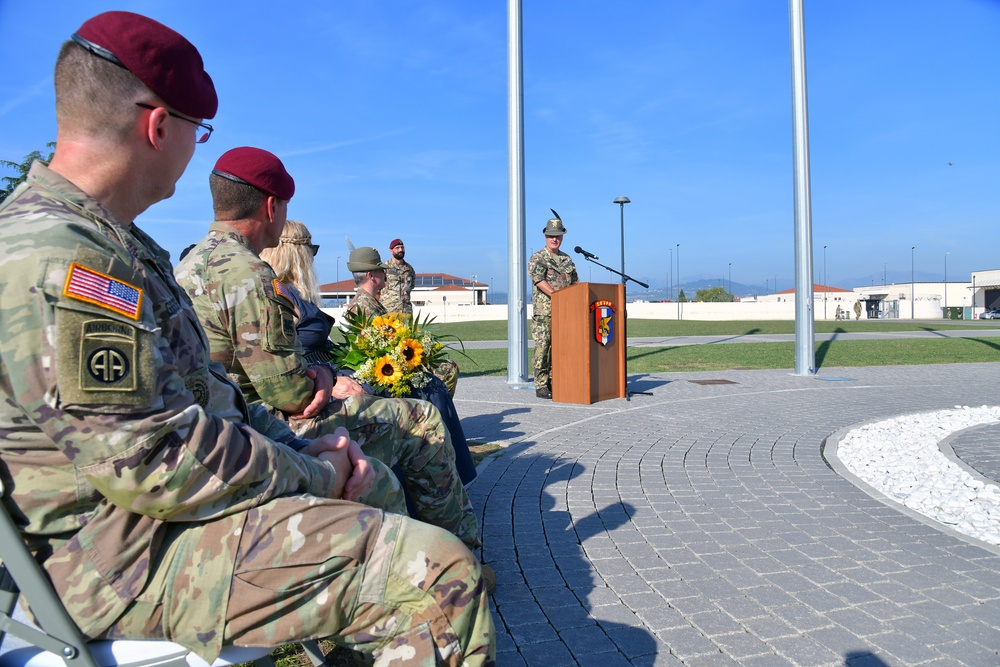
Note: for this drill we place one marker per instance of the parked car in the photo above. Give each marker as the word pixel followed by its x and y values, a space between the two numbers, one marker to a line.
pixel 990 314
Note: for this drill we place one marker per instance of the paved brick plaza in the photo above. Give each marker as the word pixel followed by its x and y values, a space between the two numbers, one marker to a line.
pixel 702 526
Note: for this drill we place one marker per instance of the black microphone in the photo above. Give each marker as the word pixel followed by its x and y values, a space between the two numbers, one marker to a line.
pixel 588 255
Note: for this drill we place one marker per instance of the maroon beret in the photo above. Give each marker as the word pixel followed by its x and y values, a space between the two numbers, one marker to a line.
pixel 161 58
pixel 256 167
pixel 394 243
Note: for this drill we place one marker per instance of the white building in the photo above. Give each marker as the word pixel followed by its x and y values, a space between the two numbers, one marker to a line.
pixel 429 289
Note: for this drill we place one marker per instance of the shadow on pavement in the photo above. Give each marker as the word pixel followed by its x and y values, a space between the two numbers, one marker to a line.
pixel 551 604
pixel 644 383
pixel 492 427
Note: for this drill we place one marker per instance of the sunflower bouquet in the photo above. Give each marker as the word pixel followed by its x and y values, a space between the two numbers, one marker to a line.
pixel 396 352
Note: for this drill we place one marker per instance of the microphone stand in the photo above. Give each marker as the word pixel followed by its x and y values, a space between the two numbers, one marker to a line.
pixel 625 278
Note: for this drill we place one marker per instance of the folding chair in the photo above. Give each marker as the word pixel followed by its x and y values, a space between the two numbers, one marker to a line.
pixel 58 642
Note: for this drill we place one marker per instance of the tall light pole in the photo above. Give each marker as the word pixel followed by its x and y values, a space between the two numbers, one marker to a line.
pixel 824 282
pixel 912 304
pixel 338 279
pixel 680 313
pixel 730 277
pixel 947 315
pixel 621 201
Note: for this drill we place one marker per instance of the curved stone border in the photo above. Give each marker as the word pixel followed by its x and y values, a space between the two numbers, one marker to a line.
pixel 916 476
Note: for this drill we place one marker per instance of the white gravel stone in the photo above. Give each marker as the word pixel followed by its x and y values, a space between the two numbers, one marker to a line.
pixel 902 459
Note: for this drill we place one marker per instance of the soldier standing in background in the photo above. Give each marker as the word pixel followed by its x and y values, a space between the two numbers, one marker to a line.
pixel 399 279
pixel 138 475
pixel 550 270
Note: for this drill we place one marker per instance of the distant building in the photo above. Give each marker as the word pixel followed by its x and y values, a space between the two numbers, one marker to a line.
pixel 985 289
pixel 834 295
pixel 429 289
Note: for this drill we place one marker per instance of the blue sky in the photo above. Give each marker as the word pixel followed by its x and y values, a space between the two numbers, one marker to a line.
pixel 391 116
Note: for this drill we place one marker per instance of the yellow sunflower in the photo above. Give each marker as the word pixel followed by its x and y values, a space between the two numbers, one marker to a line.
pixel 386 324
pixel 412 351
pixel 386 371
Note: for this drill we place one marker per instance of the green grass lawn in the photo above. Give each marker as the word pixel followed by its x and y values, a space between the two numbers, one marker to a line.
pixel 493 362
pixel 911 351
pixel 497 329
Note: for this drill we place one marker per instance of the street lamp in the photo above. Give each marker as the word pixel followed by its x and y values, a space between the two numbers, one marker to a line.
pixel 680 313
pixel 824 282
pixel 621 201
pixel 912 304
pixel 946 314
pixel 670 278
pixel 730 278
pixel 338 279
pixel 678 283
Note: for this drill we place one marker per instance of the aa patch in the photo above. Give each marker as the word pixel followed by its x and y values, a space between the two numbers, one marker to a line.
pixel 107 356
pixel 85 284
pixel 604 322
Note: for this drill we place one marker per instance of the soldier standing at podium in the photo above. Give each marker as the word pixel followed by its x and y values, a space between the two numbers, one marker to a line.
pixel 550 269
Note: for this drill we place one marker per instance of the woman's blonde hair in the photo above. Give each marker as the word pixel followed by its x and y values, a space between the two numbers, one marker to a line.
pixel 292 260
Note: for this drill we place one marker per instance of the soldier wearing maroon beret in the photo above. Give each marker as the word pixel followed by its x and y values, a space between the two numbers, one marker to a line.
pixel 399 279
pixel 249 318
pixel 159 503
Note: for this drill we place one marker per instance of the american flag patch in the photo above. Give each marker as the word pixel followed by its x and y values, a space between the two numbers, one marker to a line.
pixel 282 290
pixel 94 287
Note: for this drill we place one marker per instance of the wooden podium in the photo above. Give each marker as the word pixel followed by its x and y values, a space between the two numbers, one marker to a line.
pixel 588 343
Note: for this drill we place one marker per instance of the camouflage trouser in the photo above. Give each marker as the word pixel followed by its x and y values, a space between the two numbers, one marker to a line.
pixel 541 331
pixel 307 568
pixel 409 433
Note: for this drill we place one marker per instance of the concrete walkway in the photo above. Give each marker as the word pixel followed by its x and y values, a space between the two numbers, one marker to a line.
pixel 701 525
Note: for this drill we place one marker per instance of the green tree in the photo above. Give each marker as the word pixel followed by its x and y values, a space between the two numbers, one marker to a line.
pixel 22 167
pixel 714 295
pixel 681 298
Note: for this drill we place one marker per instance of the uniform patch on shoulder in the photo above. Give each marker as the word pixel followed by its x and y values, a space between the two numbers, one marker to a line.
pixel 281 289
pixel 107 356
pixel 85 284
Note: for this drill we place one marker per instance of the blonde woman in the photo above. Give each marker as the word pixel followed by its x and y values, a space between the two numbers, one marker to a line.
pixel 292 261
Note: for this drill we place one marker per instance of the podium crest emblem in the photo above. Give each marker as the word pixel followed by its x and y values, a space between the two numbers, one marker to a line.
pixel 604 323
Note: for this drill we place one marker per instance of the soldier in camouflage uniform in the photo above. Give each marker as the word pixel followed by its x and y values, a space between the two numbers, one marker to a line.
pixel 550 269
pixel 133 465
pixel 399 279
pixel 249 318
pixel 370 277
pixel 370 286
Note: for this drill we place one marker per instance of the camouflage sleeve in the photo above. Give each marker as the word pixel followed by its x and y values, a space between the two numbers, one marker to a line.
pixel 266 344
pixel 101 385
pixel 536 269
pixel 263 421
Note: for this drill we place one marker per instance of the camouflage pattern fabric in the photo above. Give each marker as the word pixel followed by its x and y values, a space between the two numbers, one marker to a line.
pixel 366 304
pixel 250 324
pixel 251 330
pixel 411 434
pixel 399 279
pixel 399 584
pixel 132 466
pixel 558 270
